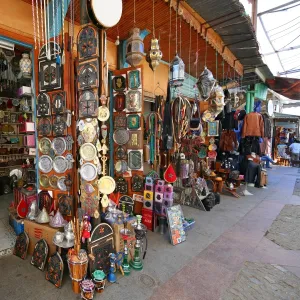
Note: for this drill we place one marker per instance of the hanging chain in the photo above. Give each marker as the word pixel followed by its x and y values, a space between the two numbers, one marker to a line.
pixel 205 52
pixel 53 23
pixel 134 13
pixel 63 31
pixel 180 36
pixel 176 26
pixel 38 25
pixel 48 21
pixel 190 49
pixel 197 55
pixel 223 79
pixel 45 26
pixel 33 20
pixel 170 33
pixel 72 24
pixel 42 22
pixel 56 20
pixel 216 65
pixel 153 21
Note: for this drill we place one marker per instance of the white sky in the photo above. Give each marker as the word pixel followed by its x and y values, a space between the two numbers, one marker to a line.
pixel 281 35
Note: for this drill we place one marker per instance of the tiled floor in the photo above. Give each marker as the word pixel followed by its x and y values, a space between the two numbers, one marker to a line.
pixel 201 268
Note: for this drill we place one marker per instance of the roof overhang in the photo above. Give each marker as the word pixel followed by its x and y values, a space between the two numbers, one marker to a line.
pixel 288 87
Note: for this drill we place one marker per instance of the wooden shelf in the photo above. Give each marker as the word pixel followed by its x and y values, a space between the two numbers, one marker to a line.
pixel 13 134
pixel 8 167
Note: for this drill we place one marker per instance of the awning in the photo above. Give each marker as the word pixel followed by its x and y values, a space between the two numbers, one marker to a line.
pixel 229 20
pixel 288 87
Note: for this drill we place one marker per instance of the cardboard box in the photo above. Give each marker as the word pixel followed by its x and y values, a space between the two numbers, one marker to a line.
pixel 37 231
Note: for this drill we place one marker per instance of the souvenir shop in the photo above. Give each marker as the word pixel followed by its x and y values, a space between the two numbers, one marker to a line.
pixel 103 143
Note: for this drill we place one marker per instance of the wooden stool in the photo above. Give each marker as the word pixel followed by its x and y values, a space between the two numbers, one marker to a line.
pixel 218 185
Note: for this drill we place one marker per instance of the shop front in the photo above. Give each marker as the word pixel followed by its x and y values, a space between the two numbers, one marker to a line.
pixel 109 128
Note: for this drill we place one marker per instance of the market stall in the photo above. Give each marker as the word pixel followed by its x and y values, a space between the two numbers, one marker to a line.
pixel 120 150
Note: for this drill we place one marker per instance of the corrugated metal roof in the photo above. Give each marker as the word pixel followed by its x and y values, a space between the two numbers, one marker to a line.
pixel 285 116
pixel 229 20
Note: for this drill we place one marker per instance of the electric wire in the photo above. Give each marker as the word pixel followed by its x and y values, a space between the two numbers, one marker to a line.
pixel 285 34
pixel 285 29
pixel 284 24
pixel 291 42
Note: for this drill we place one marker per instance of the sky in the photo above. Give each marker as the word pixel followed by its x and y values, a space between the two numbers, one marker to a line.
pixel 283 28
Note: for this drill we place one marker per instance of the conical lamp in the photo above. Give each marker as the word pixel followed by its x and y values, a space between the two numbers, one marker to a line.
pixel 58 220
pixel 33 211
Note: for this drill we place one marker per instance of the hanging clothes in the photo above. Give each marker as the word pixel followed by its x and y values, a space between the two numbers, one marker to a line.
pixel 267 126
pixel 253 125
pixel 229 121
pixel 228 141
pixel 265 147
pixel 248 145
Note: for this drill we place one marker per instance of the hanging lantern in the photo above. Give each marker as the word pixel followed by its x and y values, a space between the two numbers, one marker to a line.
pixel 135 48
pixel 205 84
pixel 154 56
pixel 177 71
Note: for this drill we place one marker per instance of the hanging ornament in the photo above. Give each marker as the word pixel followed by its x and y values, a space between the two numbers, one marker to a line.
pixel 170 175
pixel 135 48
pixel 135 45
pixel 177 71
pixel 117 42
pixel 154 56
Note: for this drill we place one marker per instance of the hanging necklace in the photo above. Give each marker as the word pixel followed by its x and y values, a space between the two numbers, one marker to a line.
pixel 48 31
pixel 45 26
pixel 33 21
pixel 38 24
pixel 42 22
pixel 63 33
pixel 72 24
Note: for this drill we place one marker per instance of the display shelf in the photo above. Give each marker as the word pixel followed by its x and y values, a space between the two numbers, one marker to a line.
pixel 23 155
pixel 13 134
pixel 8 167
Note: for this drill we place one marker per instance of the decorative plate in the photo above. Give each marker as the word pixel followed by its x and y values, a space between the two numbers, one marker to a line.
pixel 212 147
pixel 121 166
pixel 89 132
pixel 134 79
pixel 60 164
pixel 61 184
pixel 59 145
pixel 88 171
pixel 44 145
pixel 45 163
pixel 133 121
pixel 120 121
pixel 44 126
pixel 44 180
pixel 15 102
pixel 119 101
pixel 121 153
pixel 121 136
pixel 88 151
pixel 134 101
pixel 106 185
pixel 119 83
pixel 135 161
pixel 103 113
pixel 53 180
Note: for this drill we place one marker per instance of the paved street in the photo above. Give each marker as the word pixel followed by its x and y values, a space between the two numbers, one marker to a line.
pixel 213 260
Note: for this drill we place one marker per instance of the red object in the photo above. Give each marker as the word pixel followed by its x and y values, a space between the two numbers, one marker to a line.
pixel 115 197
pixel 22 209
pixel 147 218
pixel 170 175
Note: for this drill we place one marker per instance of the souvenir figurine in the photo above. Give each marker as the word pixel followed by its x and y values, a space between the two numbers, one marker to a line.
pixel 86 228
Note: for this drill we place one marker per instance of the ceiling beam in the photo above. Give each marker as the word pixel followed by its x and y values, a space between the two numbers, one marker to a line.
pixel 277 7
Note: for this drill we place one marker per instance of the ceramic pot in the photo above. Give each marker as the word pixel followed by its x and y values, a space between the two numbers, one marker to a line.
pixel 25 64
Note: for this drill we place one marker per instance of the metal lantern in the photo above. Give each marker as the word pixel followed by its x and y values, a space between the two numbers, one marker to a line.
pixel 177 71
pixel 154 56
pixel 135 48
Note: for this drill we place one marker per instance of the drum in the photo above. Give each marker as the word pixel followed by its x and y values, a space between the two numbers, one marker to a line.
pixel 78 271
pixel 99 285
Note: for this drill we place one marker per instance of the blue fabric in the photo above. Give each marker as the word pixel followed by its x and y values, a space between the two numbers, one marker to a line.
pixel 257 106
pixel 238 131
pixel 268 160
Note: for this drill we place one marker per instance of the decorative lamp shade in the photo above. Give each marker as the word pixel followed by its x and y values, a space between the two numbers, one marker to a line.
pixel 43 217
pixel 177 71
pixel 33 211
pixel 205 84
pixel 135 48
pixel 154 56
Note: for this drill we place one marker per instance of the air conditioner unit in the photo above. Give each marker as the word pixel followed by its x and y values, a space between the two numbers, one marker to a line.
pixel 7 45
